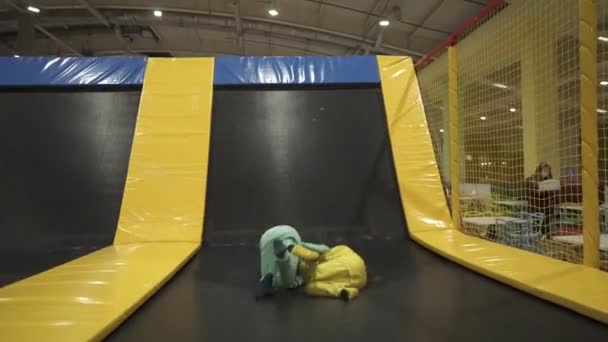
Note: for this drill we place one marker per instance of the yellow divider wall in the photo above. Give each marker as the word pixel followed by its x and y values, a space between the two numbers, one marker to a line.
pixel 577 287
pixel 164 198
pixel 85 299
pixel 415 165
pixel 589 145
pixel 160 224
pixel 454 137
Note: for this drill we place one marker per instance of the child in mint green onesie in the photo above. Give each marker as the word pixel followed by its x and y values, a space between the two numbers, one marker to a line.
pixel 278 265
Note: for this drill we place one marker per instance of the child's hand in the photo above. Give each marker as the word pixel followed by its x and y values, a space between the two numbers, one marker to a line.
pixel 304 253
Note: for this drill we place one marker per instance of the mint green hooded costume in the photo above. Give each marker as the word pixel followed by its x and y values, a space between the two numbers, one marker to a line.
pixel 284 270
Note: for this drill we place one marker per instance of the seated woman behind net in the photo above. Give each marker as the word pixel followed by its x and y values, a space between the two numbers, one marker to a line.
pixel 542 173
pixel 287 262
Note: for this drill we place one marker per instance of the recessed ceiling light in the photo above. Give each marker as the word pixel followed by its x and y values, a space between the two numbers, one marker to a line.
pixel 604 83
pixel 158 13
pixel 441 130
pixel 273 12
pixel 603 39
pixel 33 9
pixel 384 23
pixel 500 85
pixel 483 118
pixel 512 110
pixel 602 111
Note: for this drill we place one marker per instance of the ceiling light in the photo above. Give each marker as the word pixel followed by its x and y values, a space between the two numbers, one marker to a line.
pixel 273 12
pixel 158 13
pixel 602 111
pixel 500 85
pixel 16 56
pixel 33 9
pixel 603 39
pixel 441 130
pixel 384 23
pixel 604 83
pixel 512 110
pixel 483 118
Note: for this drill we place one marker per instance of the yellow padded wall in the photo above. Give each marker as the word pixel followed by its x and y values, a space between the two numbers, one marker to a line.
pixel 164 198
pixel 86 298
pixel 422 195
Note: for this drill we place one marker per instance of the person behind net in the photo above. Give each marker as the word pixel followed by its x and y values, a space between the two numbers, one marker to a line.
pixel 286 262
pixel 540 202
pixel 542 173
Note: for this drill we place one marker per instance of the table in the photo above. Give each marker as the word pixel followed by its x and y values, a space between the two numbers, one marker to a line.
pixel 514 205
pixel 480 226
pixel 578 240
pixel 474 202
pixel 565 209
pixel 570 206
pixel 577 206
pixel 490 220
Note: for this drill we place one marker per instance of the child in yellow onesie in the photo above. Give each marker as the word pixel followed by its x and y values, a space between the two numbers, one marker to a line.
pixel 340 272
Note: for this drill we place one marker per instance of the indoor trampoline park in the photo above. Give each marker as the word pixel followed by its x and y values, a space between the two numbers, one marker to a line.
pixel 457 195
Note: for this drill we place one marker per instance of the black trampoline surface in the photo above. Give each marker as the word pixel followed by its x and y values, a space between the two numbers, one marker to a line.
pixel 319 160
pixel 64 158
pixel 414 295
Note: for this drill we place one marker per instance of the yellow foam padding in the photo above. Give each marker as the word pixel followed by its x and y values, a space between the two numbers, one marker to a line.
pixel 164 198
pixel 578 287
pixel 421 190
pixel 589 144
pixel 454 135
pixel 85 299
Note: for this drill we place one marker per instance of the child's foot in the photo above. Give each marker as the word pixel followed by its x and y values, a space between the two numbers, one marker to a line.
pixel 344 295
pixel 264 287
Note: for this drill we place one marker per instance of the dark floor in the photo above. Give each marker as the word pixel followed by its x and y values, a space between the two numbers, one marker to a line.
pixel 15 266
pixel 414 295
pixel 63 164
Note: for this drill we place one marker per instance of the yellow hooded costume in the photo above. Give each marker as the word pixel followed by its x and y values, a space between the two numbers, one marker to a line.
pixel 339 272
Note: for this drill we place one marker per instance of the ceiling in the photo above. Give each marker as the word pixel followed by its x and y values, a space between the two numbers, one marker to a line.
pixel 217 27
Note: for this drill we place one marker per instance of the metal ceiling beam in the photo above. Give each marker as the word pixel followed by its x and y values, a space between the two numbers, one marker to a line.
pixel 377 16
pixel 95 12
pixel 205 52
pixel 155 33
pixel 106 22
pixel 15 6
pixel 54 38
pixel 7 48
pixel 125 44
pixel 224 24
pixel 424 19
pixel 57 41
pixel 371 27
pixel 238 24
pixel 378 43
pixel 319 30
